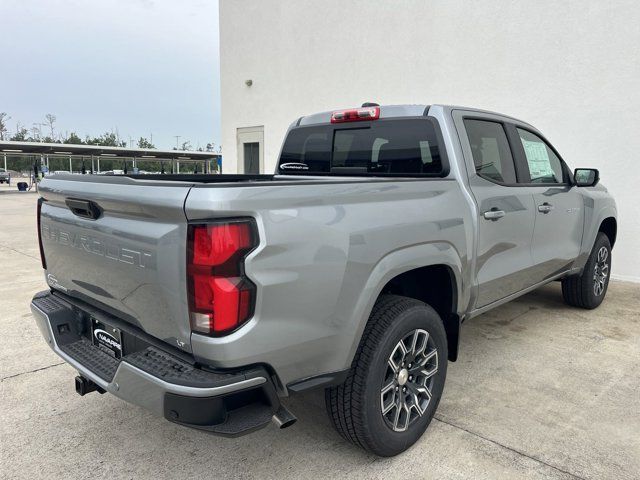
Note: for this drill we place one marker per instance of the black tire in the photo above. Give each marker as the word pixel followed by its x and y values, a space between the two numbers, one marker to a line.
pixel 581 290
pixel 355 407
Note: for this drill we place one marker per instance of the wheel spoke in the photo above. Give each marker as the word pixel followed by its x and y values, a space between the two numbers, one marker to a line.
pixel 422 339
pixel 416 404
pixel 426 373
pixel 386 409
pixel 603 254
pixel 421 393
pixel 416 394
pixel 403 348
pixel 396 417
pixel 414 342
pixel 407 416
pixel 597 288
pixel 428 357
pixel 393 365
pixel 390 386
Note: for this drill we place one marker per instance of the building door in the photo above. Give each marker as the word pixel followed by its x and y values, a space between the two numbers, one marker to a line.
pixel 251 157
pixel 251 150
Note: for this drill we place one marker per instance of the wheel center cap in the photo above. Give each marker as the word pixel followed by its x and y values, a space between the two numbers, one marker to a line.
pixel 403 376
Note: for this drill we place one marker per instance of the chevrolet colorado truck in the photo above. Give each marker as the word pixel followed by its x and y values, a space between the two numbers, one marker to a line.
pixel 208 299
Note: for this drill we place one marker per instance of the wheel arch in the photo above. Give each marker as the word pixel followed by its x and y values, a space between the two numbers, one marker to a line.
pixel 436 286
pixel 609 226
pixel 436 264
pixel 601 216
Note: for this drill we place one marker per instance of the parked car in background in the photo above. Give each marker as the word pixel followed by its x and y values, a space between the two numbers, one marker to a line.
pixel 208 298
pixel 5 176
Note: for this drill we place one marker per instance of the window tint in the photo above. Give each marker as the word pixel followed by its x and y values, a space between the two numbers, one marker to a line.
pixel 490 149
pixel 380 147
pixel 307 149
pixel 544 165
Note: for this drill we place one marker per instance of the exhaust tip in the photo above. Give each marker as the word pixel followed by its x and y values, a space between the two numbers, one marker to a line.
pixel 283 418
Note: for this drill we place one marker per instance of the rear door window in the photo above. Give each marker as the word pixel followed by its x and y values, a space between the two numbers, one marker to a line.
pixel 490 150
pixel 381 147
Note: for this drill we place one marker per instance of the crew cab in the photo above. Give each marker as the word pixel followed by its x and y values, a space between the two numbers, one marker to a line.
pixel 209 298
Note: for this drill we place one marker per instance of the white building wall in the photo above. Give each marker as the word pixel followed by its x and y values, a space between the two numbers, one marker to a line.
pixel 571 68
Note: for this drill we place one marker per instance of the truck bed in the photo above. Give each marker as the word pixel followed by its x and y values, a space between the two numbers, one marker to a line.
pixel 313 234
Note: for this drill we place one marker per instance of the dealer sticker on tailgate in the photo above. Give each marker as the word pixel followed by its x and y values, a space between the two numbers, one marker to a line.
pixel 107 338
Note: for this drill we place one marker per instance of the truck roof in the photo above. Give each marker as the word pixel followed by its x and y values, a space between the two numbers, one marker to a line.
pixel 402 110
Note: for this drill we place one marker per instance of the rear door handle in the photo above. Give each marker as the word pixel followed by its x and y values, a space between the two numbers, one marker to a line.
pixel 494 214
pixel 545 207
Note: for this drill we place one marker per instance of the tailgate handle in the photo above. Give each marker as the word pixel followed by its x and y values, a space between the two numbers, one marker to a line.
pixel 84 208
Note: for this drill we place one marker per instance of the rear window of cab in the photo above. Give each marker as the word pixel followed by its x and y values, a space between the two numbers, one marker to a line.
pixel 392 147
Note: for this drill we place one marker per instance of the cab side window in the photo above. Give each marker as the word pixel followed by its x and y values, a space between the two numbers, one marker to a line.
pixel 490 149
pixel 543 164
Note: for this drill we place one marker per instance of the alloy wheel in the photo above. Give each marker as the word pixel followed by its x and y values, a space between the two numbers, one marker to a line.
pixel 408 381
pixel 601 271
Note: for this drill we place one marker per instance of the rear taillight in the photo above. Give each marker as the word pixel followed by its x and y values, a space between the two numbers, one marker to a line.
pixel 221 297
pixel 355 115
pixel 38 214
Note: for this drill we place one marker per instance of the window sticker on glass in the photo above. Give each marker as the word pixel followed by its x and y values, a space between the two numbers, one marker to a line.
pixel 425 152
pixel 538 159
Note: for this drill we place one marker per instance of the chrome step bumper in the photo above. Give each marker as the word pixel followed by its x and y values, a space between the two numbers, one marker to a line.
pixel 146 377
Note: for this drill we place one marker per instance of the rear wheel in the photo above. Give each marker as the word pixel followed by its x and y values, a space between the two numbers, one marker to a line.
pixel 396 379
pixel 588 289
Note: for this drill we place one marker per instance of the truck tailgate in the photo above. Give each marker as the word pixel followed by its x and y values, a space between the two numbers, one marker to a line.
pixel 130 260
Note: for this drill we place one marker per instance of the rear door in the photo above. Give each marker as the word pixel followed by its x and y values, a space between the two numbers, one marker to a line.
pixel 129 259
pixel 506 212
pixel 559 222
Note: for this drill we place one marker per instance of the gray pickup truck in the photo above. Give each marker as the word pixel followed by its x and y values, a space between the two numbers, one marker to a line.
pixel 209 298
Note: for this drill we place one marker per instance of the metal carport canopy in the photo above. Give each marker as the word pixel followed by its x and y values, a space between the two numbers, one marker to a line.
pixel 66 149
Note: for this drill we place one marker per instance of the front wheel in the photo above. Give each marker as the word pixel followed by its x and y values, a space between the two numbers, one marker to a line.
pixel 588 289
pixel 396 378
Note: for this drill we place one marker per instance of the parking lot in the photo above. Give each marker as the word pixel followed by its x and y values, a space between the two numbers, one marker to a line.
pixel 540 390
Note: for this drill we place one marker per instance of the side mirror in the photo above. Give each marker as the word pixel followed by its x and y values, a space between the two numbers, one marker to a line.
pixel 586 177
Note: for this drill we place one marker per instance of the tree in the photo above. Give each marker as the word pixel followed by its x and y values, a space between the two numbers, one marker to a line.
pixel 36 133
pixel 3 124
pixel 21 134
pixel 48 132
pixel 51 120
pixel 144 143
pixel 212 147
pixel 73 139
pixel 108 139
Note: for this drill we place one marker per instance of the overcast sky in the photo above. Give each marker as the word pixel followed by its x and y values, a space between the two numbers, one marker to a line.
pixel 141 66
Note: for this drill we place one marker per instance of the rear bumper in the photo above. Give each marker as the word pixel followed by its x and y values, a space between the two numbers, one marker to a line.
pixel 220 402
